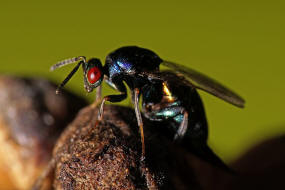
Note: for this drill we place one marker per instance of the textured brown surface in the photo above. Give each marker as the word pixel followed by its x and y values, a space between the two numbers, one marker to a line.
pixel 31 119
pixel 90 156
pixel 107 155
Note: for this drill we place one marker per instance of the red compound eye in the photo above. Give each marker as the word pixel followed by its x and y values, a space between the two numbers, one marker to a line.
pixel 93 75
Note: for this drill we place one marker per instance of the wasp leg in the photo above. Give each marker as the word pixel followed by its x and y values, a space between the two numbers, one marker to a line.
pixel 98 97
pixel 135 99
pixel 98 92
pixel 113 98
pixel 110 98
pixel 182 128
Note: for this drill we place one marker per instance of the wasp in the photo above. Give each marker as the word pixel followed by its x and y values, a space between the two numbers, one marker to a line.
pixel 166 95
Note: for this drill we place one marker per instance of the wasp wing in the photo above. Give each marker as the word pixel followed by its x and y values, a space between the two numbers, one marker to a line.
pixel 203 82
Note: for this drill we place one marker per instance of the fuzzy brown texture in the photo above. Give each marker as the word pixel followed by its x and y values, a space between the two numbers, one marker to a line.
pixel 102 156
pixel 106 155
pixel 32 117
pixel 90 157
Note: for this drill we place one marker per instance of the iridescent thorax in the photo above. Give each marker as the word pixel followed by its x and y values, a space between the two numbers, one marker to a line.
pixel 129 61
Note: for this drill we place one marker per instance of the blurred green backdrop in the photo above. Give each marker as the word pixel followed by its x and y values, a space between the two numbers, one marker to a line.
pixel 240 43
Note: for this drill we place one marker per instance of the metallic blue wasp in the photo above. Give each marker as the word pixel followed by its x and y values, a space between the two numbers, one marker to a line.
pixel 166 95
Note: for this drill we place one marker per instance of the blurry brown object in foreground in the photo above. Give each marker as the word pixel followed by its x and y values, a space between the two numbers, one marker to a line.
pixel 32 117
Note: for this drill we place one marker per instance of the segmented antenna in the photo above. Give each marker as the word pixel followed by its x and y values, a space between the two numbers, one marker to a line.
pixel 68 77
pixel 82 59
pixel 67 61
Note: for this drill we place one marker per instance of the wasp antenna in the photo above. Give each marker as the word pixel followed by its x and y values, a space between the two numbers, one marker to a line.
pixel 68 77
pixel 67 61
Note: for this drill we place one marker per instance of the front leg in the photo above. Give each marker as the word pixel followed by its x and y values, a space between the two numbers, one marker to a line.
pixel 110 98
pixel 98 97
pixel 98 93
pixel 113 98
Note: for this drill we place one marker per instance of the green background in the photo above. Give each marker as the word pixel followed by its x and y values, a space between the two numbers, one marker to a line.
pixel 239 43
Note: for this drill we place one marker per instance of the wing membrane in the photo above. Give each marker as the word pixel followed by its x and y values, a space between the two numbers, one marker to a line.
pixel 207 84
